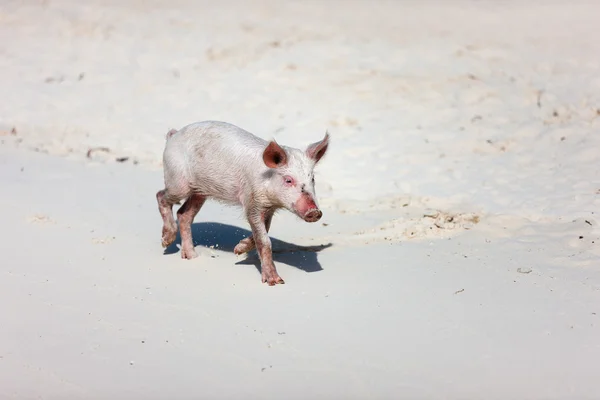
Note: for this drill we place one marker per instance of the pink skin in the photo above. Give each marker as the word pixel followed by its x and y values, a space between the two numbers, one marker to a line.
pixel 260 176
pixel 248 244
pixel 269 273
pixel 307 209
pixel 185 216
pixel 305 206
pixel 169 230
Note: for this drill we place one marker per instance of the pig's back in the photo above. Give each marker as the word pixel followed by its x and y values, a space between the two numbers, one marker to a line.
pixel 218 159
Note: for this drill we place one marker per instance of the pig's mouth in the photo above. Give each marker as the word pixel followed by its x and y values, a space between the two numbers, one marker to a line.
pixel 312 215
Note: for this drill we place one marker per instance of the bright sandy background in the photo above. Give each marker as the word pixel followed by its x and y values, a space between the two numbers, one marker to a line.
pixel 458 255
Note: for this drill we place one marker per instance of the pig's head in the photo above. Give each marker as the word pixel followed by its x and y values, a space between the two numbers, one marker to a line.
pixel 292 181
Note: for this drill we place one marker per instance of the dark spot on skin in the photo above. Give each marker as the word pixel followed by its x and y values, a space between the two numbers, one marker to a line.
pixel 268 174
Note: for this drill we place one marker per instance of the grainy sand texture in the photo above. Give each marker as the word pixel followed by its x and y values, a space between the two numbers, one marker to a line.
pixel 459 252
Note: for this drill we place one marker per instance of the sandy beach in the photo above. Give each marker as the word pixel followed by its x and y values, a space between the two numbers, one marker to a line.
pixel 458 256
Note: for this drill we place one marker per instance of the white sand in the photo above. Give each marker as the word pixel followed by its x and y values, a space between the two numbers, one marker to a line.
pixel 460 256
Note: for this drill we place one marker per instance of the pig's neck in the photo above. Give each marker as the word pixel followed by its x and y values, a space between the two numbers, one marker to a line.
pixel 257 197
pixel 268 195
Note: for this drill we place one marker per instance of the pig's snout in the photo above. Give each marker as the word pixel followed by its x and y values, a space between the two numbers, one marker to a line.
pixel 306 208
pixel 313 215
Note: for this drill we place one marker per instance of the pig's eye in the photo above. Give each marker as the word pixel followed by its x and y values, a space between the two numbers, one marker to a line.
pixel 288 180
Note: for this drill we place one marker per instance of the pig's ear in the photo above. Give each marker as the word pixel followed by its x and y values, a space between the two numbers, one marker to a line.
pixel 274 156
pixel 317 150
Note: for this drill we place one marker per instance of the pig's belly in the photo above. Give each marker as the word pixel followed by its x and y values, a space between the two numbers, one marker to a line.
pixel 224 190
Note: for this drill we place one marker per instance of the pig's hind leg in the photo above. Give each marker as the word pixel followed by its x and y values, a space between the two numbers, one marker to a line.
pixel 185 216
pixel 176 189
pixel 165 206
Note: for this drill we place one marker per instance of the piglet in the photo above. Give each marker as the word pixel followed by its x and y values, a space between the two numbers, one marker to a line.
pixel 218 160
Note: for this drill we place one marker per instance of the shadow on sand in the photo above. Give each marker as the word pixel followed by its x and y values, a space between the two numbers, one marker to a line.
pixel 225 237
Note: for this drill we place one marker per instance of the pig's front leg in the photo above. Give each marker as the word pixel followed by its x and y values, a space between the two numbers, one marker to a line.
pixel 263 245
pixel 247 244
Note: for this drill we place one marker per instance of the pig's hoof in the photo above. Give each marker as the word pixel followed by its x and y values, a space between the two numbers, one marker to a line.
pixel 244 246
pixel 239 249
pixel 188 254
pixel 272 279
pixel 168 237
